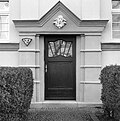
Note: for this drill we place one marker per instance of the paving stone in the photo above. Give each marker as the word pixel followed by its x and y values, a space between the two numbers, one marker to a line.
pixel 60 114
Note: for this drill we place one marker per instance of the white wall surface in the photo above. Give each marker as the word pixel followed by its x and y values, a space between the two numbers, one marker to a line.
pixel 90 9
pixel 29 9
pixel 106 13
pixel 8 58
pixel 73 5
pixel 85 9
pixel 14 9
pixel 92 93
pixel 110 57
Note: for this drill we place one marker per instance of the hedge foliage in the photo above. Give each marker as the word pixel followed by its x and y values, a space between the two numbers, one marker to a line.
pixel 110 96
pixel 16 89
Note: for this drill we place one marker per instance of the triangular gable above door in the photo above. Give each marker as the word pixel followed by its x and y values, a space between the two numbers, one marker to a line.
pixel 59 7
pixel 59 19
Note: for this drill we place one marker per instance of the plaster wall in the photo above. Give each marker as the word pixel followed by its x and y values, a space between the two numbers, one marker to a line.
pixel 92 93
pixel 73 5
pixel 8 58
pixel 14 13
pixel 90 9
pixel 29 9
pixel 106 13
pixel 110 57
pixel 84 9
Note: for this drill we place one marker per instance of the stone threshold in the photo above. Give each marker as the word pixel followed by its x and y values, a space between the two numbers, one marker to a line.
pixel 63 104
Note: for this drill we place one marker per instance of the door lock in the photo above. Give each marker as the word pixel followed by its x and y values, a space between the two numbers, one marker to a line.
pixel 46 68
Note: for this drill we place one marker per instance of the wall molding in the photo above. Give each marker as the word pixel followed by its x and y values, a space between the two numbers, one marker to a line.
pixel 90 82
pixel 36 81
pixel 29 50
pixel 30 66
pixel 90 50
pixel 91 66
pixel 110 46
pixel 9 46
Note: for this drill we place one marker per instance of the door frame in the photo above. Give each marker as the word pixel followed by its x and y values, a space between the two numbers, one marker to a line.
pixel 45 60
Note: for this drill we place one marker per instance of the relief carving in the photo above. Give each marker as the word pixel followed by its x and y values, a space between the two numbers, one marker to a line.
pixel 60 22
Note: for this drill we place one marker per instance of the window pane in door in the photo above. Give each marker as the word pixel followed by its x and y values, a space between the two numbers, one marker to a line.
pixel 115 4
pixel 60 48
pixel 116 18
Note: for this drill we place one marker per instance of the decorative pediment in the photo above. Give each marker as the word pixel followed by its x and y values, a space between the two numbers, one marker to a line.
pixel 59 19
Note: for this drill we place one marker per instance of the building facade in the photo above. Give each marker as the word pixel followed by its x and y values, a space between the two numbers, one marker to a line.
pixel 66 44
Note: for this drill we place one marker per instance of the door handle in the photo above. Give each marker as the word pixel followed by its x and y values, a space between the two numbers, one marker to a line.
pixel 46 68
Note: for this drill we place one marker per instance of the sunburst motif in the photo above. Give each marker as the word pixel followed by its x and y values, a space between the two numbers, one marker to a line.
pixel 60 47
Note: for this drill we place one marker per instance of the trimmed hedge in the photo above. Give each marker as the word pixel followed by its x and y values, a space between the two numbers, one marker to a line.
pixel 110 96
pixel 16 89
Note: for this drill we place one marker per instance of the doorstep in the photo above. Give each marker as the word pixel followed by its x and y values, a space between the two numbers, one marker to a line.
pixel 63 104
pixel 54 104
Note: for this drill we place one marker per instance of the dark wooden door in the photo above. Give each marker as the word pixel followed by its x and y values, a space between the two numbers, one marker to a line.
pixel 60 72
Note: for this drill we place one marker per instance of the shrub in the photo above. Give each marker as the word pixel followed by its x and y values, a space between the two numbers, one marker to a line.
pixel 110 95
pixel 16 89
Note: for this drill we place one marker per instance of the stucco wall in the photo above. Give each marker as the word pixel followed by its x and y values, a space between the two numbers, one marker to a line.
pixel 106 13
pixel 91 9
pixel 8 58
pixel 14 13
pixel 109 56
pixel 84 9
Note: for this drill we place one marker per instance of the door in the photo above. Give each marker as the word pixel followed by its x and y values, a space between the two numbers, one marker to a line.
pixel 60 74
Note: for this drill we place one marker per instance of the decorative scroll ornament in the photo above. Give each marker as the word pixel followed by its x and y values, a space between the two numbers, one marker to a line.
pixel 27 41
pixel 60 22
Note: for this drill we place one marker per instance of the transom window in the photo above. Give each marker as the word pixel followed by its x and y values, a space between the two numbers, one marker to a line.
pixel 4 19
pixel 60 48
pixel 116 19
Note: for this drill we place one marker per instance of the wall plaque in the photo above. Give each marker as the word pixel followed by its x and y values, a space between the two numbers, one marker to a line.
pixel 27 41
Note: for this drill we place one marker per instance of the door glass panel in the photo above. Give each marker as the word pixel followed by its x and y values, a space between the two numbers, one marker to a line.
pixel 63 48
pixel 115 4
pixel 60 48
pixel 67 49
pixel 50 51
pixel 116 18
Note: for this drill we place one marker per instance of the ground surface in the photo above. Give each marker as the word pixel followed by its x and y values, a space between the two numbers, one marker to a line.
pixel 62 114
pixel 100 115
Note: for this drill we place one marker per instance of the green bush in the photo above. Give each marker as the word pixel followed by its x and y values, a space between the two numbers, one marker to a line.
pixel 110 96
pixel 16 89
